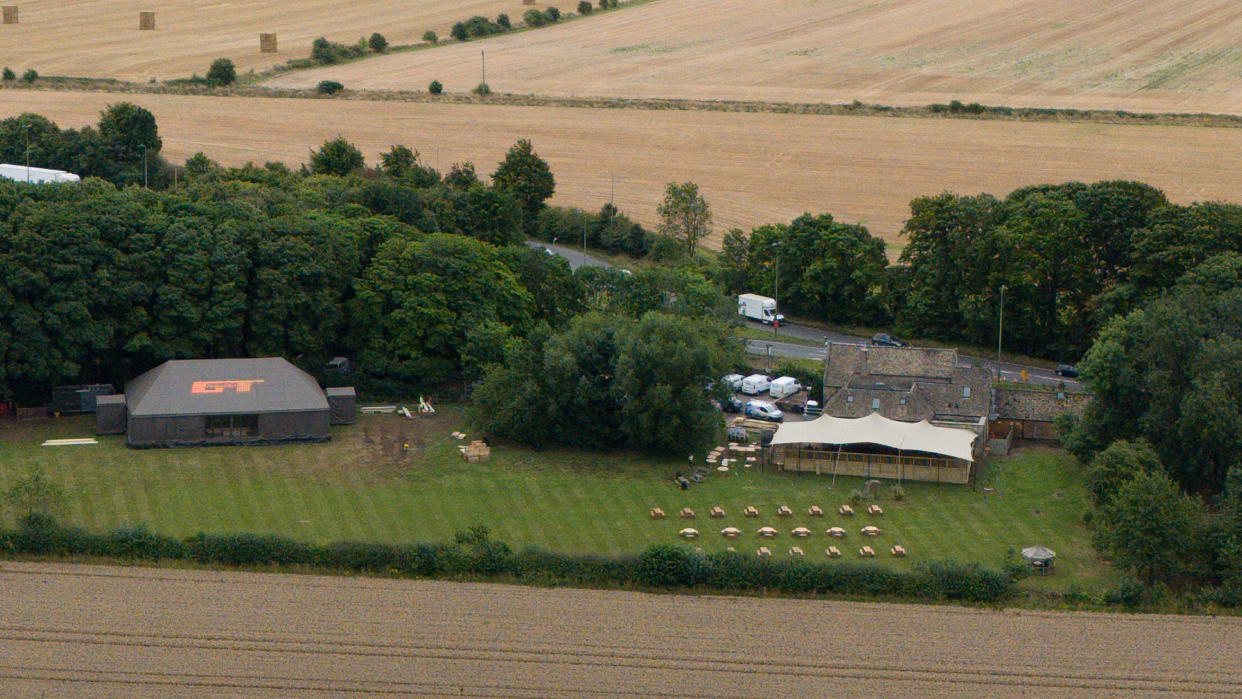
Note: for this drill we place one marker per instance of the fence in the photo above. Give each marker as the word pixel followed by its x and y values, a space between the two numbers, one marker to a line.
pixel 844 463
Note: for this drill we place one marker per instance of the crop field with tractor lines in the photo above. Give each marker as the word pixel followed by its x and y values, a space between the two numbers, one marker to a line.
pixel 753 168
pixel 96 630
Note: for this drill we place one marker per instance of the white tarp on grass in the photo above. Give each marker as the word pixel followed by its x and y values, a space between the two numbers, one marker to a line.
pixel 877 429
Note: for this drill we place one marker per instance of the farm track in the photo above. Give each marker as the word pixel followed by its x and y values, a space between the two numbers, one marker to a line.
pixel 90 630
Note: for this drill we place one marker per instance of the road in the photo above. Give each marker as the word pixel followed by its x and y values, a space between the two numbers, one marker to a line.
pixel 1009 371
pixel 576 258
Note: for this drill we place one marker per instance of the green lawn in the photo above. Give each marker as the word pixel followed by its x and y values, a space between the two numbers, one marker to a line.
pixel 364 486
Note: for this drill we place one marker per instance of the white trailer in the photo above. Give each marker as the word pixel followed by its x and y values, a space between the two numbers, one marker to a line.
pixel 36 175
pixel 760 308
pixel 784 386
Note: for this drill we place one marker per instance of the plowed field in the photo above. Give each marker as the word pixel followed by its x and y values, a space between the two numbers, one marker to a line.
pixel 92 630
pixel 101 39
pixel 753 168
pixel 1107 54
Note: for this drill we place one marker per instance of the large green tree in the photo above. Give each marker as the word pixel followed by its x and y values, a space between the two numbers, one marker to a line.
pixel 1146 526
pixel 528 178
pixel 684 214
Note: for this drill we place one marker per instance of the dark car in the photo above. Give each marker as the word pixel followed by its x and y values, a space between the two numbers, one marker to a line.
pixel 1069 371
pixel 886 340
pixel 731 405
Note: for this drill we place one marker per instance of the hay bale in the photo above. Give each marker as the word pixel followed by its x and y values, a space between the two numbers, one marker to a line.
pixel 146 20
pixel 657 513
pixel 267 43
pixel 10 14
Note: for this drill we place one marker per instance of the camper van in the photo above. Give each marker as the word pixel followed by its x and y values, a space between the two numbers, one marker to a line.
pixel 784 386
pixel 755 384
pixel 760 308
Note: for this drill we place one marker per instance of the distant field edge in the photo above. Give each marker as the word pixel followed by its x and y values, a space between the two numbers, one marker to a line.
pixel 951 110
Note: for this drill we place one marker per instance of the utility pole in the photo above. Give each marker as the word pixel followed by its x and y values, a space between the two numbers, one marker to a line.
pixel 1000 330
pixel 612 188
pixel 483 58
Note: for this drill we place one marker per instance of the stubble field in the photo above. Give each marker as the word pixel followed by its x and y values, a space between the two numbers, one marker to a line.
pixel 1101 54
pixel 753 168
pixel 96 630
pixel 101 39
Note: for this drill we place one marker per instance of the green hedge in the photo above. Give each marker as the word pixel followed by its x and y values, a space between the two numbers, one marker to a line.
pixel 473 554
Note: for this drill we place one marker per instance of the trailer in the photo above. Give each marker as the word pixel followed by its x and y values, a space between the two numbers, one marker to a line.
pixel 35 175
pixel 760 308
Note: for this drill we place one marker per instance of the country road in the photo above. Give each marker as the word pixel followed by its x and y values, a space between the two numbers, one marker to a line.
pixel 1009 371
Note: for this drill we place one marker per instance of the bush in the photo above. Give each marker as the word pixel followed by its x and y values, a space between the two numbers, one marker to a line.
pixel 898 493
pixel 459 32
pixel 856 497
pixel 502 20
pixel 482 89
pixel 377 43
pixel 552 14
pixel 329 87
pixel 534 18
pixel 221 73
pixel 326 52
pixel 30 75
pixel 435 87
pixel 584 7
pixel 431 37
pixel 667 565
pixel 666 248
pixel 8 74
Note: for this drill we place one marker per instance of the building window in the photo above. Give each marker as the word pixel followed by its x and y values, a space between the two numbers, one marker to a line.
pixel 849 398
pixel 965 391
pixel 875 403
pixel 231 426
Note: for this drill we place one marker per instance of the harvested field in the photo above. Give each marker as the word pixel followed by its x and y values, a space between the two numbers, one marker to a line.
pixel 1101 54
pixel 100 38
pixel 753 168
pixel 95 630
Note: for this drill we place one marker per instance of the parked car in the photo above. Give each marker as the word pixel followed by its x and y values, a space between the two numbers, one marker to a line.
pixel 1069 371
pixel 733 381
pixel 763 410
pixel 886 340
pixel 731 405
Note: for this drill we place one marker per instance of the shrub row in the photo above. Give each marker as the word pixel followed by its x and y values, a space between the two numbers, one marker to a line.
pixel 474 554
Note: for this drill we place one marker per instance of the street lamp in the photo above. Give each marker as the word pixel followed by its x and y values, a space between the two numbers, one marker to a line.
pixel 1000 329
pixel 26 128
pixel 776 294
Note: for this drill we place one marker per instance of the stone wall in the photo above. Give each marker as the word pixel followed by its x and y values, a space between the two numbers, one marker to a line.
pixel 1031 413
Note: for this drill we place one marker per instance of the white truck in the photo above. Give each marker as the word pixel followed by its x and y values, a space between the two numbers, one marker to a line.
pixel 35 175
pixel 760 308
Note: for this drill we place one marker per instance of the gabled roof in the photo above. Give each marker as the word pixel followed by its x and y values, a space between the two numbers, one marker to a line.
pixel 877 429
pixel 223 387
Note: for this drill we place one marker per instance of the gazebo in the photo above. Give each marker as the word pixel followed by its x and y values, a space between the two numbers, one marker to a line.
pixel 1040 558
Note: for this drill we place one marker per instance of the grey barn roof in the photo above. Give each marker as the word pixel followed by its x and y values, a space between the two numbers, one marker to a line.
pixel 223 387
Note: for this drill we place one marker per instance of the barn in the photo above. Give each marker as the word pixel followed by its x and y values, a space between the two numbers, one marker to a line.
pixel 226 401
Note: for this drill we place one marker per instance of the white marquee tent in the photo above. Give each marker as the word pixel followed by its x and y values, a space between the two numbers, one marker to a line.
pixel 877 429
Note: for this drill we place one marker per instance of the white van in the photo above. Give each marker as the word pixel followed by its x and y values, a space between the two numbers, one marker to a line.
pixel 784 386
pixel 755 384
pixel 733 381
